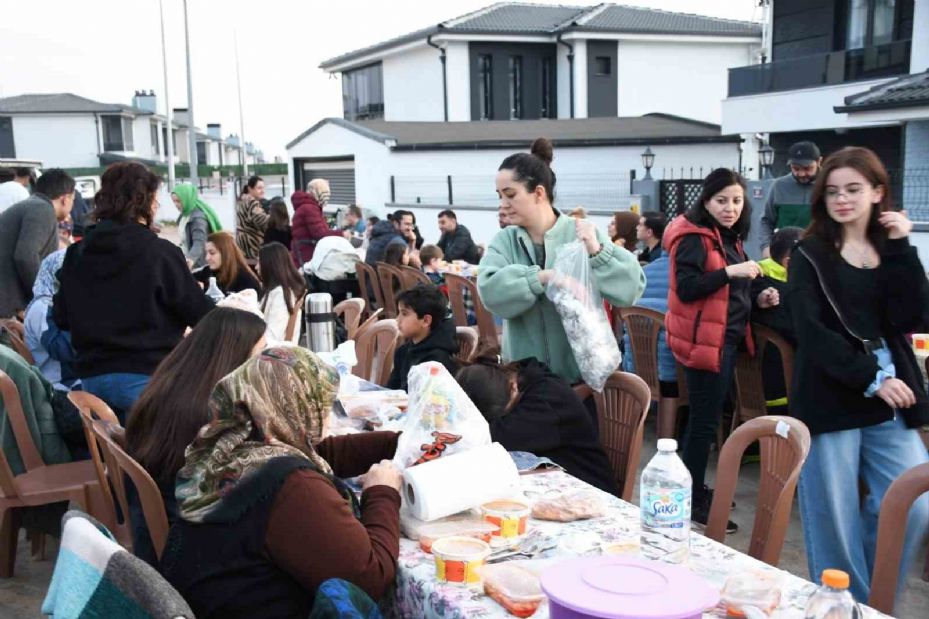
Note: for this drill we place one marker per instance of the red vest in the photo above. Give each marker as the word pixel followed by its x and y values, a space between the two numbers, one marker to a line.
pixel 697 331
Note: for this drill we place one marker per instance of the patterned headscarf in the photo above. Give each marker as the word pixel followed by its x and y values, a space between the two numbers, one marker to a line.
pixel 319 189
pixel 46 282
pixel 282 397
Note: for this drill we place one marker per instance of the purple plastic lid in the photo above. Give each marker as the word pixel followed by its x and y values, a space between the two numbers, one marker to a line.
pixel 623 587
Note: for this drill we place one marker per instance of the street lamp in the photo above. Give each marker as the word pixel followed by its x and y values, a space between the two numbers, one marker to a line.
pixel 766 153
pixel 648 160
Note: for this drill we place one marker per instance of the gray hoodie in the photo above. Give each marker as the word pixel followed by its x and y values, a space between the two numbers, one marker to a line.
pixel 788 204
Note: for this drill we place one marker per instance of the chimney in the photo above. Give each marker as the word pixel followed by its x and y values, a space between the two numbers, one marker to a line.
pixel 181 116
pixel 145 101
pixel 233 140
pixel 214 130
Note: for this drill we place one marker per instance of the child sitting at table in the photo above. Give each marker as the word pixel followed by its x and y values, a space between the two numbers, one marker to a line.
pixel 422 316
pixel 529 408
pixel 431 256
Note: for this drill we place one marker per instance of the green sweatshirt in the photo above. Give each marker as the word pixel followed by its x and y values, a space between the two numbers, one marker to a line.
pixel 787 204
pixel 509 286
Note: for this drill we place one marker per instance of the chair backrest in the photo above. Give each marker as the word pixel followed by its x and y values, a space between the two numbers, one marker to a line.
pixel 643 326
pixel 17 335
pixel 486 326
pixel 891 527
pixel 292 321
pixel 391 280
pixel 467 338
pixel 413 276
pixel 369 285
pixel 749 378
pixel 621 409
pixel 350 310
pixel 785 443
pixel 28 451
pixel 374 347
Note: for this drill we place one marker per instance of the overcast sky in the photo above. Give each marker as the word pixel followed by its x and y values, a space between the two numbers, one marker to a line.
pixel 107 49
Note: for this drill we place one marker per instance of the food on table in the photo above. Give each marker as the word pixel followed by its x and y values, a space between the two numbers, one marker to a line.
pixel 577 505
pixel 510 516
pixel 514 587
pixel 757 588
pixel 458 560
pixel 433 531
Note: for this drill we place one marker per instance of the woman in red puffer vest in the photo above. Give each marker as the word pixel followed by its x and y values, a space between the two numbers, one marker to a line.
pixel 309 224
pixel 709 304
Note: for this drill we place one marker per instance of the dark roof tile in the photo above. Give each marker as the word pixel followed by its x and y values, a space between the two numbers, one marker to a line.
pixel 63 102
pixel 907 91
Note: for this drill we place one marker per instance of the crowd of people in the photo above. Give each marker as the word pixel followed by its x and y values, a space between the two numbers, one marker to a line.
pixel 231 419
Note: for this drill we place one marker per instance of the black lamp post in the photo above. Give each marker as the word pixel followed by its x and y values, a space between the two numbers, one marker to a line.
pixel 766 153
pixel 648 160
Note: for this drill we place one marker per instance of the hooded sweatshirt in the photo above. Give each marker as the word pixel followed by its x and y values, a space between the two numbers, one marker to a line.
pixel 440 345
pixel 382 234
pixel 308 227
pixel 126 296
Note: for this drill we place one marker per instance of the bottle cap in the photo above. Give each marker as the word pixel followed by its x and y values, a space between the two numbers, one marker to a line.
pixel 837 579
pixel 667 444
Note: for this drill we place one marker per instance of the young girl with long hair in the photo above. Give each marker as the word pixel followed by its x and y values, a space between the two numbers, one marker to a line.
pixel 225 262
pixel 279 230
pixel 284 288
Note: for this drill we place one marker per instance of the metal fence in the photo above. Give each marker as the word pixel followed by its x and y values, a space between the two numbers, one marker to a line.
pixel 910 190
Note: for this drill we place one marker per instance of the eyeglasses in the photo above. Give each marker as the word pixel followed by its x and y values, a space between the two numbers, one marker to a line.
pixel 833 194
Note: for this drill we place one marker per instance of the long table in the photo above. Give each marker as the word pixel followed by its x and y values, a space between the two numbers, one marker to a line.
pixel 417 595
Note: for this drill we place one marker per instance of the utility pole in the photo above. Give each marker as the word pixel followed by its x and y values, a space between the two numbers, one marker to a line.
pixel 190 105
pixel 169 134
pixel 238 83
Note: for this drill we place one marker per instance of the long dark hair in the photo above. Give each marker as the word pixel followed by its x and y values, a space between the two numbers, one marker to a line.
pixel 277 269
pixel 394 254
pixel 866 163
pixel 716 181
pixel 127 190
pixel 534 168
pixel 233 258
pixel 625 223
pixel 278 216
pixel 488 381
pixel 175 404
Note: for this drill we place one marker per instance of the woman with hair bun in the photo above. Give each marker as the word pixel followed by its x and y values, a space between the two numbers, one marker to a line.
pixel 518 263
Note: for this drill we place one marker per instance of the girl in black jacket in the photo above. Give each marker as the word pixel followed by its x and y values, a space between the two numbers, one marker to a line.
pixel 531 409
pixel 859 289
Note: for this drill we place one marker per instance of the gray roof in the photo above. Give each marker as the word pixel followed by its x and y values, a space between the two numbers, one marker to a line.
pixel 518 18
pixel 519 134
pixel 907 91
pixel 62 102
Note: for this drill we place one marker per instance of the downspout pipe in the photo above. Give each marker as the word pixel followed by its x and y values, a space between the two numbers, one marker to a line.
pixel 444 74
pixel 570 71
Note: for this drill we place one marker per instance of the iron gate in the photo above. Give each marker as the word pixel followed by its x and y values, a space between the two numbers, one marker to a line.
pixel 679 195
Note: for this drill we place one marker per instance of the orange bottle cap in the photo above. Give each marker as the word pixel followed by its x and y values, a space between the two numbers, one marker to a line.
pixel 837 579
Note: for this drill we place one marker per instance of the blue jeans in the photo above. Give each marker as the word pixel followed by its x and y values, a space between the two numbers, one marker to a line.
pixel 841 532
pixel 120 391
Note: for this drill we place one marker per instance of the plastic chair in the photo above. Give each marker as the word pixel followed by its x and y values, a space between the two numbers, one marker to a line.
pixel 412 277
pixel 391 280
pixel 121 463
pixel 41 484
pixel 369 286
pixel 17 335
pixel 374 346
pixel 749 378
pixel 350 310
pixel 785 444
pixel 891 527
pixel 621 410
pixel 486 326
pixel 294 318
pixel 467 338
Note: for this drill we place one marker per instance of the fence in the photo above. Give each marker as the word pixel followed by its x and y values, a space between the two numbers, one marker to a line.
pixel 910 190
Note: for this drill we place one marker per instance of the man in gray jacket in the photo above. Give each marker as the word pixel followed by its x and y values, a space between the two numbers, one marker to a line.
pixel 28 233
pixel 788 202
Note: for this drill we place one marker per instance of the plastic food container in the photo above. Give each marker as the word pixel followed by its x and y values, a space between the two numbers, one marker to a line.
pixel 479 529
pixel 514 587
pixel 752 588
pixel 511 517
pixel 921 341
pixel 626 546
pixel 458 560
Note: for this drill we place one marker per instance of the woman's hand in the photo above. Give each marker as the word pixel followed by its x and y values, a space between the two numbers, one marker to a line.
pixel 587 234
pixel 384 473
pixel 897 224
pixel 769 297
pixel 896 393
pixel 744 270
pixel 546 276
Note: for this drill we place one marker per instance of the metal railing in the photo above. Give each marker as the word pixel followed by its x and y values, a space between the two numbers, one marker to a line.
pixel 910 190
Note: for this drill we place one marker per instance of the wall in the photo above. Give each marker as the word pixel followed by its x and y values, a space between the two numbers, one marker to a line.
pixel 686 79
pixel 919 52
pixel 563 80
pixel 457 63
pixel 57 141
pixel 413 85
pixel 142 137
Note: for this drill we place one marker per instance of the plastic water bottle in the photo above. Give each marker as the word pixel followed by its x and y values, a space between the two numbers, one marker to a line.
pixel 832 600
pixel 665 497
pixel 214 292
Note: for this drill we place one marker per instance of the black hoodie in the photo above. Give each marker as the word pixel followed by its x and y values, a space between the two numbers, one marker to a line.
pixel 126 296
pixel 440 345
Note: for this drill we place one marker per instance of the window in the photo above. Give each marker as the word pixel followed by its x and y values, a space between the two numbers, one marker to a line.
pixel 117 133
pixel 201 153
pixel 363 93
pixel 7 146
pixel 603 64
pixel 155 148
pixel 546 81
pixel 485 67
pixel 870 22
pixel 516 87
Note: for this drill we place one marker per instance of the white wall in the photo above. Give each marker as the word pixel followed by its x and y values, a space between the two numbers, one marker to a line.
pixel 457 61
pixel 563 81
pixel 142 137
pixel 66 141
pixel 919 52
pixel 580 79
pixel 686 79
pixel 212 153
pixel 413 85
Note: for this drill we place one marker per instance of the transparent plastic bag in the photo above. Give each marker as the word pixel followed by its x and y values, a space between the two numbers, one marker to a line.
pixel 570 506
pixel 574 293
pixel 440 420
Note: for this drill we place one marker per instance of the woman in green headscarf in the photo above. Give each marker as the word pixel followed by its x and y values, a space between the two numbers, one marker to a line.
pixel 197 221
pixel 264 517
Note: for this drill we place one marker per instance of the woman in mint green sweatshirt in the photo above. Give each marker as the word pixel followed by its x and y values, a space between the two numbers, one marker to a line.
pixel 517 265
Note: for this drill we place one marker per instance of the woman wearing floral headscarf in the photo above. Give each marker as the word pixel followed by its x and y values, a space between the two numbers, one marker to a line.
pixel 49 345
pixel 309 224
pixel 264 518
pixel 198 220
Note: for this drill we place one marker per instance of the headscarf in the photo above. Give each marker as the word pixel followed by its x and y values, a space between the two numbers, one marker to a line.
pixel 190 200
pixel 282 397
pixel 46 282
pixel 319 189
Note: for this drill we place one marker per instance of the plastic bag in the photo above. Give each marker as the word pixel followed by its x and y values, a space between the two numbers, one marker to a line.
pixel 440 420
pixel 574 293
pixel 515 586
pixel 569 506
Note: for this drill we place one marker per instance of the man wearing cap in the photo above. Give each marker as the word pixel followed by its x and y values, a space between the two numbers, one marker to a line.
pixel 789 198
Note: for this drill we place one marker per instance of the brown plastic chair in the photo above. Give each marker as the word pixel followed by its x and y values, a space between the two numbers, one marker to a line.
pixel 412 277
pixel 891 527
pixel 350 310
pixel 391 280
pixel 621 410
pixel 782 457
pixel 120 463
pixel 41 484
pixel 370 286
pixel 467 338
pixel 292 323
pixel 486 326
pixel 17 335
pixel 374 346
pixel 749 378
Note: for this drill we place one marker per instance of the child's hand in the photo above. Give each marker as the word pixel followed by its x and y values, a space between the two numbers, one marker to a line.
pixel 769 297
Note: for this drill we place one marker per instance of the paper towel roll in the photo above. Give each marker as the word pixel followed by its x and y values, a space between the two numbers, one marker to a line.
pixel 461 481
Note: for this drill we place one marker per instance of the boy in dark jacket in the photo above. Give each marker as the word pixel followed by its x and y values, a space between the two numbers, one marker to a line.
pixel 429 333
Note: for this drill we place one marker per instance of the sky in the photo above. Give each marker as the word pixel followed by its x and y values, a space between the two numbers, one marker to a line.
pixel 107 49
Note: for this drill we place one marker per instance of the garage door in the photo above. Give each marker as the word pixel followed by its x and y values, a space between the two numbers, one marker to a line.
pixel 341 177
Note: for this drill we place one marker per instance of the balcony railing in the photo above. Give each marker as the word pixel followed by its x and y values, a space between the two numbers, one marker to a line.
pixel 849 65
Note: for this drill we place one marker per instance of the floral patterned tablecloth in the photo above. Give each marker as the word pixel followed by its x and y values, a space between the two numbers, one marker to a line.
pixel 418 595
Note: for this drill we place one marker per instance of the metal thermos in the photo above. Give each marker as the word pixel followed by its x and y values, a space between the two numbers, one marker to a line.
pixel 320 322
